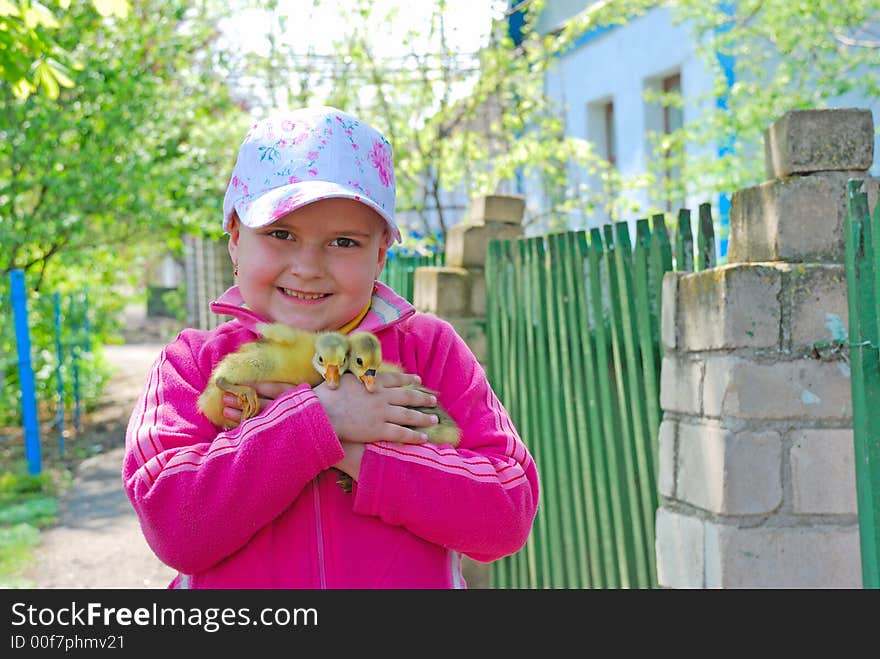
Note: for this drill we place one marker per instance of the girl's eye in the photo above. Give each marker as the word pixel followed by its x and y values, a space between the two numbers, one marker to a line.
pixel 281 234
pixel 344 242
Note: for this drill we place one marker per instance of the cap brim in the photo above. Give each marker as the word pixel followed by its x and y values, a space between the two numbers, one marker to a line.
pixel 275 204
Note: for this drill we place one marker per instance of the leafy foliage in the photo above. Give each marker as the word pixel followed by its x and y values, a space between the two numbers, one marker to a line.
pixel 785 56
pixel 130 145
pixel 766 57
pixel 30 57
pixel 470 123
pixel 116 169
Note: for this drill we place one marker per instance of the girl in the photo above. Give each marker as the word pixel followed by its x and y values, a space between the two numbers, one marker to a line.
pixel 309 211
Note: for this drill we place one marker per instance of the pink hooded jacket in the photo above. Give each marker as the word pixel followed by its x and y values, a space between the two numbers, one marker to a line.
pixel 258 506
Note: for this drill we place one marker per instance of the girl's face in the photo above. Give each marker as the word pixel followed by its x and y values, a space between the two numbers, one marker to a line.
pixel 314 268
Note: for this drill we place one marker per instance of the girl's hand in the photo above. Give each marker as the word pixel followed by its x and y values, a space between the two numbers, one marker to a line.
pixel 359 416
pixel 266 393
pixel 351 463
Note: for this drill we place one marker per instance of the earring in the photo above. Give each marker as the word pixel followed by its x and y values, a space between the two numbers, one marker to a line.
pixel 235 270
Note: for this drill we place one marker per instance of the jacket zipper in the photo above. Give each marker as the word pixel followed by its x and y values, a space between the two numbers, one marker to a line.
pixel 319 531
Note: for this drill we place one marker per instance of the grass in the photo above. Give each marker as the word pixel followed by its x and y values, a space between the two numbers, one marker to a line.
pixel 28 503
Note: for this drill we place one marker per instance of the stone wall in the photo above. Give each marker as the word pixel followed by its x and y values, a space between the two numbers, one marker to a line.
pixel 756 477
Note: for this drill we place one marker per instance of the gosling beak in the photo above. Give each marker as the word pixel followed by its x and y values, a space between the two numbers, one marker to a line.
pixel 369 379
pixel 331 377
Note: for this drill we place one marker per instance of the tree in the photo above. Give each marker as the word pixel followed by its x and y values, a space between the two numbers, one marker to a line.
pixel 135 150
pixel 127 158
pixel 471 122
pixel 766 57
pixel 30 57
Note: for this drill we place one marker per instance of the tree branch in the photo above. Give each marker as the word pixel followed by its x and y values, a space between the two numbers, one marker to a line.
pixel 857 43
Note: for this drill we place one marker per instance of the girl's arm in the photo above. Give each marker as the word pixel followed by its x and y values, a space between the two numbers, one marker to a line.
pixel 480 498
pixel 201 494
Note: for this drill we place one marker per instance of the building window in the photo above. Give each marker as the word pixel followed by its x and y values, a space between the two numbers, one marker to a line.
pixel 601 132
pixel 610 140
pixel 672 121
pixel 662 119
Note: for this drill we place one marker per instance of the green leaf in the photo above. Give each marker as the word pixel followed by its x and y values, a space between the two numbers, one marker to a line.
pixel 46 77
pixel 118 8
pixel 60 73
pixel 8 9
pixel 37 15
pixel 22 88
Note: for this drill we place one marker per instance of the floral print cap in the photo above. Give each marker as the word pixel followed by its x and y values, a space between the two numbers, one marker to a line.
pixel 295 158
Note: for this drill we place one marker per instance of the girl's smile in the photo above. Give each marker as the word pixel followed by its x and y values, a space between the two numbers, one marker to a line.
pixel 302 296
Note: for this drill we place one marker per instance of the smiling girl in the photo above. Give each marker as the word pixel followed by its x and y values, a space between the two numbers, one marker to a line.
pixel 310 215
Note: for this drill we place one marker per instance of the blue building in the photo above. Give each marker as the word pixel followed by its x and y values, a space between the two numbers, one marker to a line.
pixel 600 86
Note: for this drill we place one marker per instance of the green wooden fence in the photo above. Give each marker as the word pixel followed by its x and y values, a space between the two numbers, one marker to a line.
pixel 863 291
pixel 399 271
pixel 573 324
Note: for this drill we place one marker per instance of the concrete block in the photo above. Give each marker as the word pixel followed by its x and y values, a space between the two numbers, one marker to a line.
pixel 679 550
pixel 782 557
pixel 815 303
pixel 442 290
pixel 727 472
pixel 732 306
pixel 823 472
pixel 507 209
pixel 793 219
pixel 669 309
pixel 681 381
pixel 667 452
pixel 478 292
pixel 466 244
pixel 795 389
pixel 805 141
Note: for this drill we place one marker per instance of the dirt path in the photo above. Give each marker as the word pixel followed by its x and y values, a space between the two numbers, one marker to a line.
pixel 97 542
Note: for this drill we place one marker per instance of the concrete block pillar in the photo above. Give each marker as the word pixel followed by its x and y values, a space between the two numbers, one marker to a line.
pixel 457 292
pixel 756 479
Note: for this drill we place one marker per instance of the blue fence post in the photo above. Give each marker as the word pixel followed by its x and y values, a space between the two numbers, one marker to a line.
pixel 87 340
pixel 58 348
pixel 74 362
pixel 25 372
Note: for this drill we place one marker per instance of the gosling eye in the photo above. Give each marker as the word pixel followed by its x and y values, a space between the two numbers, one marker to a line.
pixel 360 361
pixel 320 359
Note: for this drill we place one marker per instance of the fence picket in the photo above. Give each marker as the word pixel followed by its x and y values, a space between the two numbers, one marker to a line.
pixel 706 238
pixel 635 397
pixel 566 376
pixel 623 444
pixel 25 372
pixel 599 299
pixel 573 245
pixel 684 242
pixel 536 426
pixel 59 351
pixel 861 268
pixel 500 575
pixel 588 414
